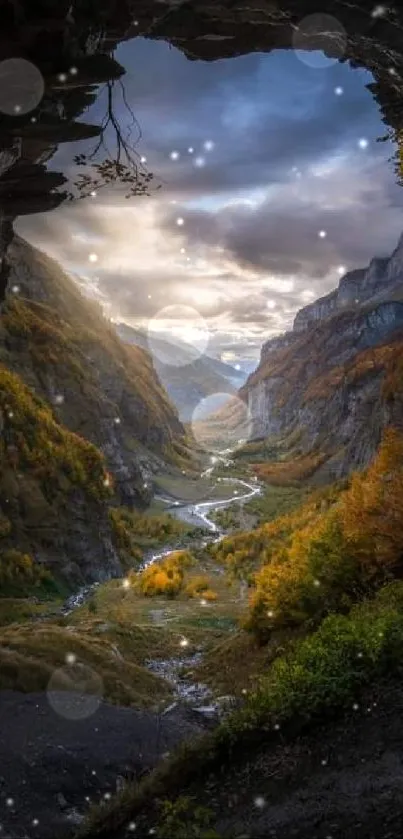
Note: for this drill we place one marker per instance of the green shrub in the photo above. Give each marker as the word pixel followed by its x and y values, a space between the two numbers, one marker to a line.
pixel 183 819
pixel 92 606
pixel 133 531
pixel 328 668
pixel 324 673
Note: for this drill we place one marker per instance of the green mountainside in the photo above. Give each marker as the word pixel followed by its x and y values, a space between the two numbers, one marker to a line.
pixel 84 423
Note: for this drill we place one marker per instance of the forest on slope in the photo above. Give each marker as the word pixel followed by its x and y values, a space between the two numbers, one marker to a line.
pixel 322 626
pixel 85 425
pixel 322 621
pixel 325 623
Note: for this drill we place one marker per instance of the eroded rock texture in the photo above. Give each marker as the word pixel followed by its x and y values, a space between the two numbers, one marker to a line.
pixel 331 385
pixel 83 34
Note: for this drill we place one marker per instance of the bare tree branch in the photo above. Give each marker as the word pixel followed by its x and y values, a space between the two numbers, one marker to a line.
pixel 123 167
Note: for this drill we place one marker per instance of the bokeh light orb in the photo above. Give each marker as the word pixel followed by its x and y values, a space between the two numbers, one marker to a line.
pixel 75 691
pixel 319 40
pixel 21 86
pixel 221 422
pixel 177 335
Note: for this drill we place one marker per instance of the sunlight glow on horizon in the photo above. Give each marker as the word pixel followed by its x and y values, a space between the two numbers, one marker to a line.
pixel 253 220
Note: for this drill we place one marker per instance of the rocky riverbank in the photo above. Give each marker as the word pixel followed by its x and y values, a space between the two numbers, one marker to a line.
pixel 62 753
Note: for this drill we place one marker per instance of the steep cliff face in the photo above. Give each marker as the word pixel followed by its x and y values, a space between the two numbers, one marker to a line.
pixel 55 493
pixel 76 405
pixel 329 387
pixel 278 343
pixel 62 347
pixel 379 281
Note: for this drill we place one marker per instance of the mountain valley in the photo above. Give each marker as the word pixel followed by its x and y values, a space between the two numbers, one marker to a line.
pixel 201 557
pixel 187 376
pixel 81 493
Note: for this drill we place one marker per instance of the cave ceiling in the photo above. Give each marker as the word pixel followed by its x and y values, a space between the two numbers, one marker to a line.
pixel 58 35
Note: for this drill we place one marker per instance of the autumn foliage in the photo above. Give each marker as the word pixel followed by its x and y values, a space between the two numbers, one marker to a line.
pixel 61 335
pixel 165 577
pixel 386 359
pixel 372 511
pixel 288 473
pixel 199 587
pixel 332 551
pixel 33 441
pixel 171 576
pixel 18 570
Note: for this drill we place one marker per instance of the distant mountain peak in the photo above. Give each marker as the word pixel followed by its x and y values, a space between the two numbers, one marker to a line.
pixel 187 375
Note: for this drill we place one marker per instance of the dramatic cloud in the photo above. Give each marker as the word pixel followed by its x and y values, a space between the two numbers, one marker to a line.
pixel 306 227
pixel 271 181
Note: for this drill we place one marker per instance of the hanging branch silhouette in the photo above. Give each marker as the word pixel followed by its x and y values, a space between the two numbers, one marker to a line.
pixel 122 167
pixel 395 136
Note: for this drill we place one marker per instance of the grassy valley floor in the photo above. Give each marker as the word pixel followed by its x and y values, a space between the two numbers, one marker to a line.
pixel 117 630
pixel 293 758
pixel 136 656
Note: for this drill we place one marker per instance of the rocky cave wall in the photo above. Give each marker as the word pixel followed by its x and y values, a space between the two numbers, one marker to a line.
pixel 83 33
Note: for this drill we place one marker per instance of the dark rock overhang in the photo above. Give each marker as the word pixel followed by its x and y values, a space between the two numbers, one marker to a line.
pixel 58 34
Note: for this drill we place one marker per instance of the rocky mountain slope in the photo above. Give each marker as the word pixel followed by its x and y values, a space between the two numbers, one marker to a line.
pixel 123 743
pixel 187 377
pixel 326 389
pixel 84 420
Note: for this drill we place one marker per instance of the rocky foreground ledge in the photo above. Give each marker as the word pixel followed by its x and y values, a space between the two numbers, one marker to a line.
pixel 53 768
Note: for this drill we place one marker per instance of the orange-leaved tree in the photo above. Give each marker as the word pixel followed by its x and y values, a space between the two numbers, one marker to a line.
pixel 372 510
pixel 334 557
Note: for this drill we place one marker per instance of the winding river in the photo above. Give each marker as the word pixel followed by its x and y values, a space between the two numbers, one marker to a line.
pixel 195 514
pixel 197 696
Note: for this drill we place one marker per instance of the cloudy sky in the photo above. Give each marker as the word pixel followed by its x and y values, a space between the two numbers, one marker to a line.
pixel 275 188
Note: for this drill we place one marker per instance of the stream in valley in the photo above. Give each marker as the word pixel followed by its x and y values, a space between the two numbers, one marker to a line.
pixel 197 695
pixel 177 671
